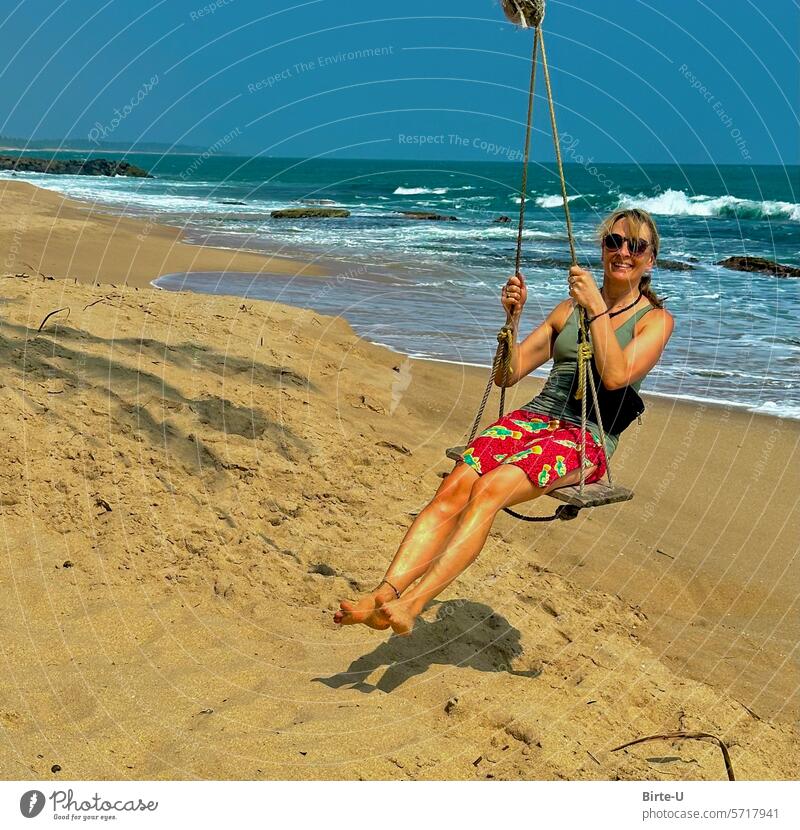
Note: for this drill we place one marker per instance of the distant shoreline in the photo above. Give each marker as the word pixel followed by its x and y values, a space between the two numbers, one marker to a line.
pixel 478 160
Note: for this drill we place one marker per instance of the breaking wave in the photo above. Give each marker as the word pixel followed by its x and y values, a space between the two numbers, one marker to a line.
pixel 678 203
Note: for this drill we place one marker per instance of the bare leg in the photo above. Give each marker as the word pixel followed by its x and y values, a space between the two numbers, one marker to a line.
pixel 423 542
pixel 503 487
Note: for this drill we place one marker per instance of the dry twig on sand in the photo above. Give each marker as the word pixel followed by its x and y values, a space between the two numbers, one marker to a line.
pixel 697 736
pixel 102 299
pixel 41 325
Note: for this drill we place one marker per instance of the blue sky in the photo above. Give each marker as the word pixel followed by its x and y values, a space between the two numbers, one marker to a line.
pixel 646 81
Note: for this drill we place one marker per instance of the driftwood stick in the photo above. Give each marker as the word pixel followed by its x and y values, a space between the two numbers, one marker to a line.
pixel 41 325
pixel 100 300
pixel 43 276
pixel 697 736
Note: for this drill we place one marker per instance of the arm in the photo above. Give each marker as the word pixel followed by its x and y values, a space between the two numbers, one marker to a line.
pixel 537 348
pixel 621 367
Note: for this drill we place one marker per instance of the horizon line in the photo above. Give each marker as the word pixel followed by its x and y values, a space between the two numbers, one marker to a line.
pixel 189 149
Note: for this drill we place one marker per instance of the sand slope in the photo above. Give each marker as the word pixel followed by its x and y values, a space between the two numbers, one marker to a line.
pixel 46 232
pixel 189 484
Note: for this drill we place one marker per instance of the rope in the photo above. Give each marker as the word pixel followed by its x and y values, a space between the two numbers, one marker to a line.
pixel 524 185
pixel 584 345
pixel 501 356
pixel 505 337
pixel 600 428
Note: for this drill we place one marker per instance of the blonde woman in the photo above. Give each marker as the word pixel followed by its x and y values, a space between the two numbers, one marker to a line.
pixel 533 449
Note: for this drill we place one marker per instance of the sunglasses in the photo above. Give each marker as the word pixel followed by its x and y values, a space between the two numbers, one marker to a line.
pixel 615 241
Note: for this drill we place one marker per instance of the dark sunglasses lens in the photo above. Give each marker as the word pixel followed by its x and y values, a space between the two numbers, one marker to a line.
pixel 615 241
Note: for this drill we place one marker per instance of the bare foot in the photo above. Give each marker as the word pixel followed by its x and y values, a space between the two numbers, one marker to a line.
pixel 401 615
pixel 367 611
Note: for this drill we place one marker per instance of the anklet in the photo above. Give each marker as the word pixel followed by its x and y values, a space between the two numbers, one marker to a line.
pixel 386 582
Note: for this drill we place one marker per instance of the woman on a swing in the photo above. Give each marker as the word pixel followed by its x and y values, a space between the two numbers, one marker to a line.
pixel 535 449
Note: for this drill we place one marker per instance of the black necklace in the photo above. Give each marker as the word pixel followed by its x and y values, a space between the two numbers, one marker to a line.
pixel 615 313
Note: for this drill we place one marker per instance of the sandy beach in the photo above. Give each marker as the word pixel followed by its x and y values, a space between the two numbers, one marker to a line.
pixel 191 483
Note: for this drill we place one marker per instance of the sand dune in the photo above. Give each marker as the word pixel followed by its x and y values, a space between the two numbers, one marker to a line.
pixel 189 484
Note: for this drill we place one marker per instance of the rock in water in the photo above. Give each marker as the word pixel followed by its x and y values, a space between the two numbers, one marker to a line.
pixel 674 265
pixel 760 265
pixel 73 167
pixel 502 220
pixel 310 213
pixel 424 214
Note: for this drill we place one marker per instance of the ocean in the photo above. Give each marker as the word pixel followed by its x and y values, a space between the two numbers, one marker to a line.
pixel 431 289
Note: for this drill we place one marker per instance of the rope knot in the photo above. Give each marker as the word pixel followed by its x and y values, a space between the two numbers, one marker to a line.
pixel 506 335
pixel 525 13
pixel 505 343
pixel 585 352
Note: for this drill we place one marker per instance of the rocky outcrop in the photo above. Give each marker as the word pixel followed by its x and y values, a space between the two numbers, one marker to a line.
pixel 426 215
pixel 502 220
pixel 72 167
pixel 759 265
pixel 310 213
pixel 674 265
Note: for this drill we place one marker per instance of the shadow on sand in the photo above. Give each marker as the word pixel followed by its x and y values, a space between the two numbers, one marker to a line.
pixel 464 633
pixel 140 399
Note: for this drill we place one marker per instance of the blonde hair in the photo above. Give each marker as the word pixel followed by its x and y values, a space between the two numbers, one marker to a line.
pixel 635 218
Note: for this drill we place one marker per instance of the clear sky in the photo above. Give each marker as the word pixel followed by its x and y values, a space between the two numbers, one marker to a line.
pixel 635 80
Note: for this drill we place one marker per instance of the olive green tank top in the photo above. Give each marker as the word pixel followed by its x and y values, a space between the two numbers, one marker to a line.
pixel 555 398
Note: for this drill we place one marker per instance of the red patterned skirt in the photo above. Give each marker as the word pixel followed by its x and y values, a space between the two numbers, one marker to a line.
pixel 542 446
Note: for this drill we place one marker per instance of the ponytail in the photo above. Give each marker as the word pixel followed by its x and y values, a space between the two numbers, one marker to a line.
pixel 647 291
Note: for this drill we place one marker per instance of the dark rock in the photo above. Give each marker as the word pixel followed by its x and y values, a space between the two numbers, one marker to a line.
pixel 759 265
pixel 73 167
pixel 674 265
pixel 502 220
pixel 322 569
pixel 424 214
pixel 231 202
pixel 310 213
pixel 556 262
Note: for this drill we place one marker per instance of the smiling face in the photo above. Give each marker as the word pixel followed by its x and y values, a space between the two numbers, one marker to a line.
pixel 621 266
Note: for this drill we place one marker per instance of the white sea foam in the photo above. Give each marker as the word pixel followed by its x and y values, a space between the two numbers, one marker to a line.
pixel 678 203
pixel 417 191
pixel 436 191
pixel 553 201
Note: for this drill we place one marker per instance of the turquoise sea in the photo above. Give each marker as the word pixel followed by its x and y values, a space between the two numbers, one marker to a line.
pixel 430 289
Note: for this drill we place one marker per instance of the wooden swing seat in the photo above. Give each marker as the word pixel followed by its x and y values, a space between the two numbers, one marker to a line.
pixel 594 495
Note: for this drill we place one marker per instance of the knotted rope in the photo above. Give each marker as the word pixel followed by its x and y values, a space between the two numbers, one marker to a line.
pixel 529 14
pixel 525 13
